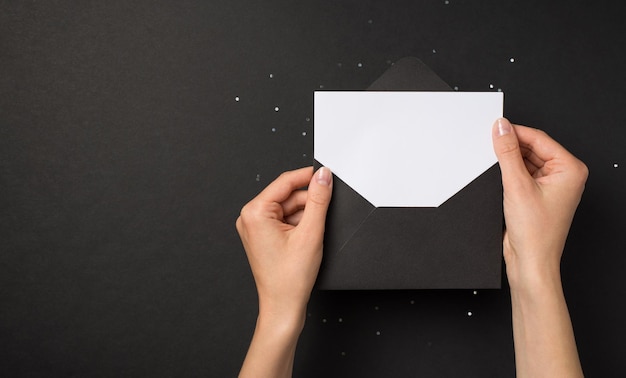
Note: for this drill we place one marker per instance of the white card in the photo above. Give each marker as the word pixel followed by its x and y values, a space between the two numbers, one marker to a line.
pixel 406 149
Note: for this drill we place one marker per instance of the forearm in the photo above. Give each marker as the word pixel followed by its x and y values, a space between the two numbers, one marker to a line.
pixel 542 329
pixel 273 346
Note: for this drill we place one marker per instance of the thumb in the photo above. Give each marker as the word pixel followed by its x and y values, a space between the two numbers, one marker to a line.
pixel 318 198
pixel 507 149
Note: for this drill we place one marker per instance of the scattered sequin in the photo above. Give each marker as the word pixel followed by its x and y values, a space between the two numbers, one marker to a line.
pixel 370 21
pixel 323 320
pixel 237 98
pixel 343 353
pixel 512 60
pixel 491 86
pixel 307 119
pixel 304 133
pixel 469 313
pixel 434 51
pixel 340 320
pixel 499 89
pixel 258 177
pixel 377 333
pixel 456 88
pixel 276 108
pixel 273 129
pixel 412 302
pixel 376 308
pixel 321 86
pixel 359 64
pixel 615 165
pixel 446 2
pixel 339 64
pixel 303 155
pixel 475 292
pixel 271 76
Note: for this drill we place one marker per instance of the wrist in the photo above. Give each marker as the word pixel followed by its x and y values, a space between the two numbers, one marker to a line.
pixel 274 342
pixel 282 320
pixel 532 274
pixel 525 277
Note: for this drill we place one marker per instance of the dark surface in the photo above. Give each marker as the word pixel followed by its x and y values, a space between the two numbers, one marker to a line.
pixel 124 161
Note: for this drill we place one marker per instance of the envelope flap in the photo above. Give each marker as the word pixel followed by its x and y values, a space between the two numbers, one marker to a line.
pixel 346 213
pixel 409 74
pixel 398 261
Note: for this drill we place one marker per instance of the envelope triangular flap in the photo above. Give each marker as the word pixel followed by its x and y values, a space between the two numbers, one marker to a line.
pixel 409 74
pixel 434 248
pixel 457 245
pixel 348 210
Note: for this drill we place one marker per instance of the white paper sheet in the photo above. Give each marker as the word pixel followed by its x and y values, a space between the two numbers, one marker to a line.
pixel 406 149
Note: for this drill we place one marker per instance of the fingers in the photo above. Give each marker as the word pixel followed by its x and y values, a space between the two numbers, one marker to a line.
pixel 269 203
pixel 525 153
pixel 530 157
pixel 540 146
pixel 282 200
pixel 507 149
pixel 543 149
pixel 318 199
pixel 294 219
pixel 294 203
pixel 281 188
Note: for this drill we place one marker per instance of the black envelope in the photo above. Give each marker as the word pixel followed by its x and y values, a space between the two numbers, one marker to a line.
pixel 457 245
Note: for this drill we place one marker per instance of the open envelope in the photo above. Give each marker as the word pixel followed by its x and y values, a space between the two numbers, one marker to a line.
pixel 435 219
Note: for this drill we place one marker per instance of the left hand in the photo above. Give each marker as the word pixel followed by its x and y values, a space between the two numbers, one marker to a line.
pixel 282 231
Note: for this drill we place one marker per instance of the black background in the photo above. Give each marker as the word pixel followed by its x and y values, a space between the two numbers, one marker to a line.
pixel 125 158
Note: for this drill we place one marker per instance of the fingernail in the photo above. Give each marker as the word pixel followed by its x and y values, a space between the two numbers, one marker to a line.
pixel 324 176
pixel 504 126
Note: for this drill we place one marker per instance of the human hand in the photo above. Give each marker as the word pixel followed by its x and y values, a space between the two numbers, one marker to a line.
pixel 543 184
pixel 282 231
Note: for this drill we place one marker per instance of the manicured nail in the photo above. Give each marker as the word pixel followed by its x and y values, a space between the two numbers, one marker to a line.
pixel 504 126
pixel 324 176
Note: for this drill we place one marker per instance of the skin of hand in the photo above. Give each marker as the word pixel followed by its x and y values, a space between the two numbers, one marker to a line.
pixel 282 231
pixel 543 184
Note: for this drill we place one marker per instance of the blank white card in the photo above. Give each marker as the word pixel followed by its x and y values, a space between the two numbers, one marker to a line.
pixel 406 149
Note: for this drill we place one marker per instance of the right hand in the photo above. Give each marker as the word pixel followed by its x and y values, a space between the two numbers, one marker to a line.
pixel 543 184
